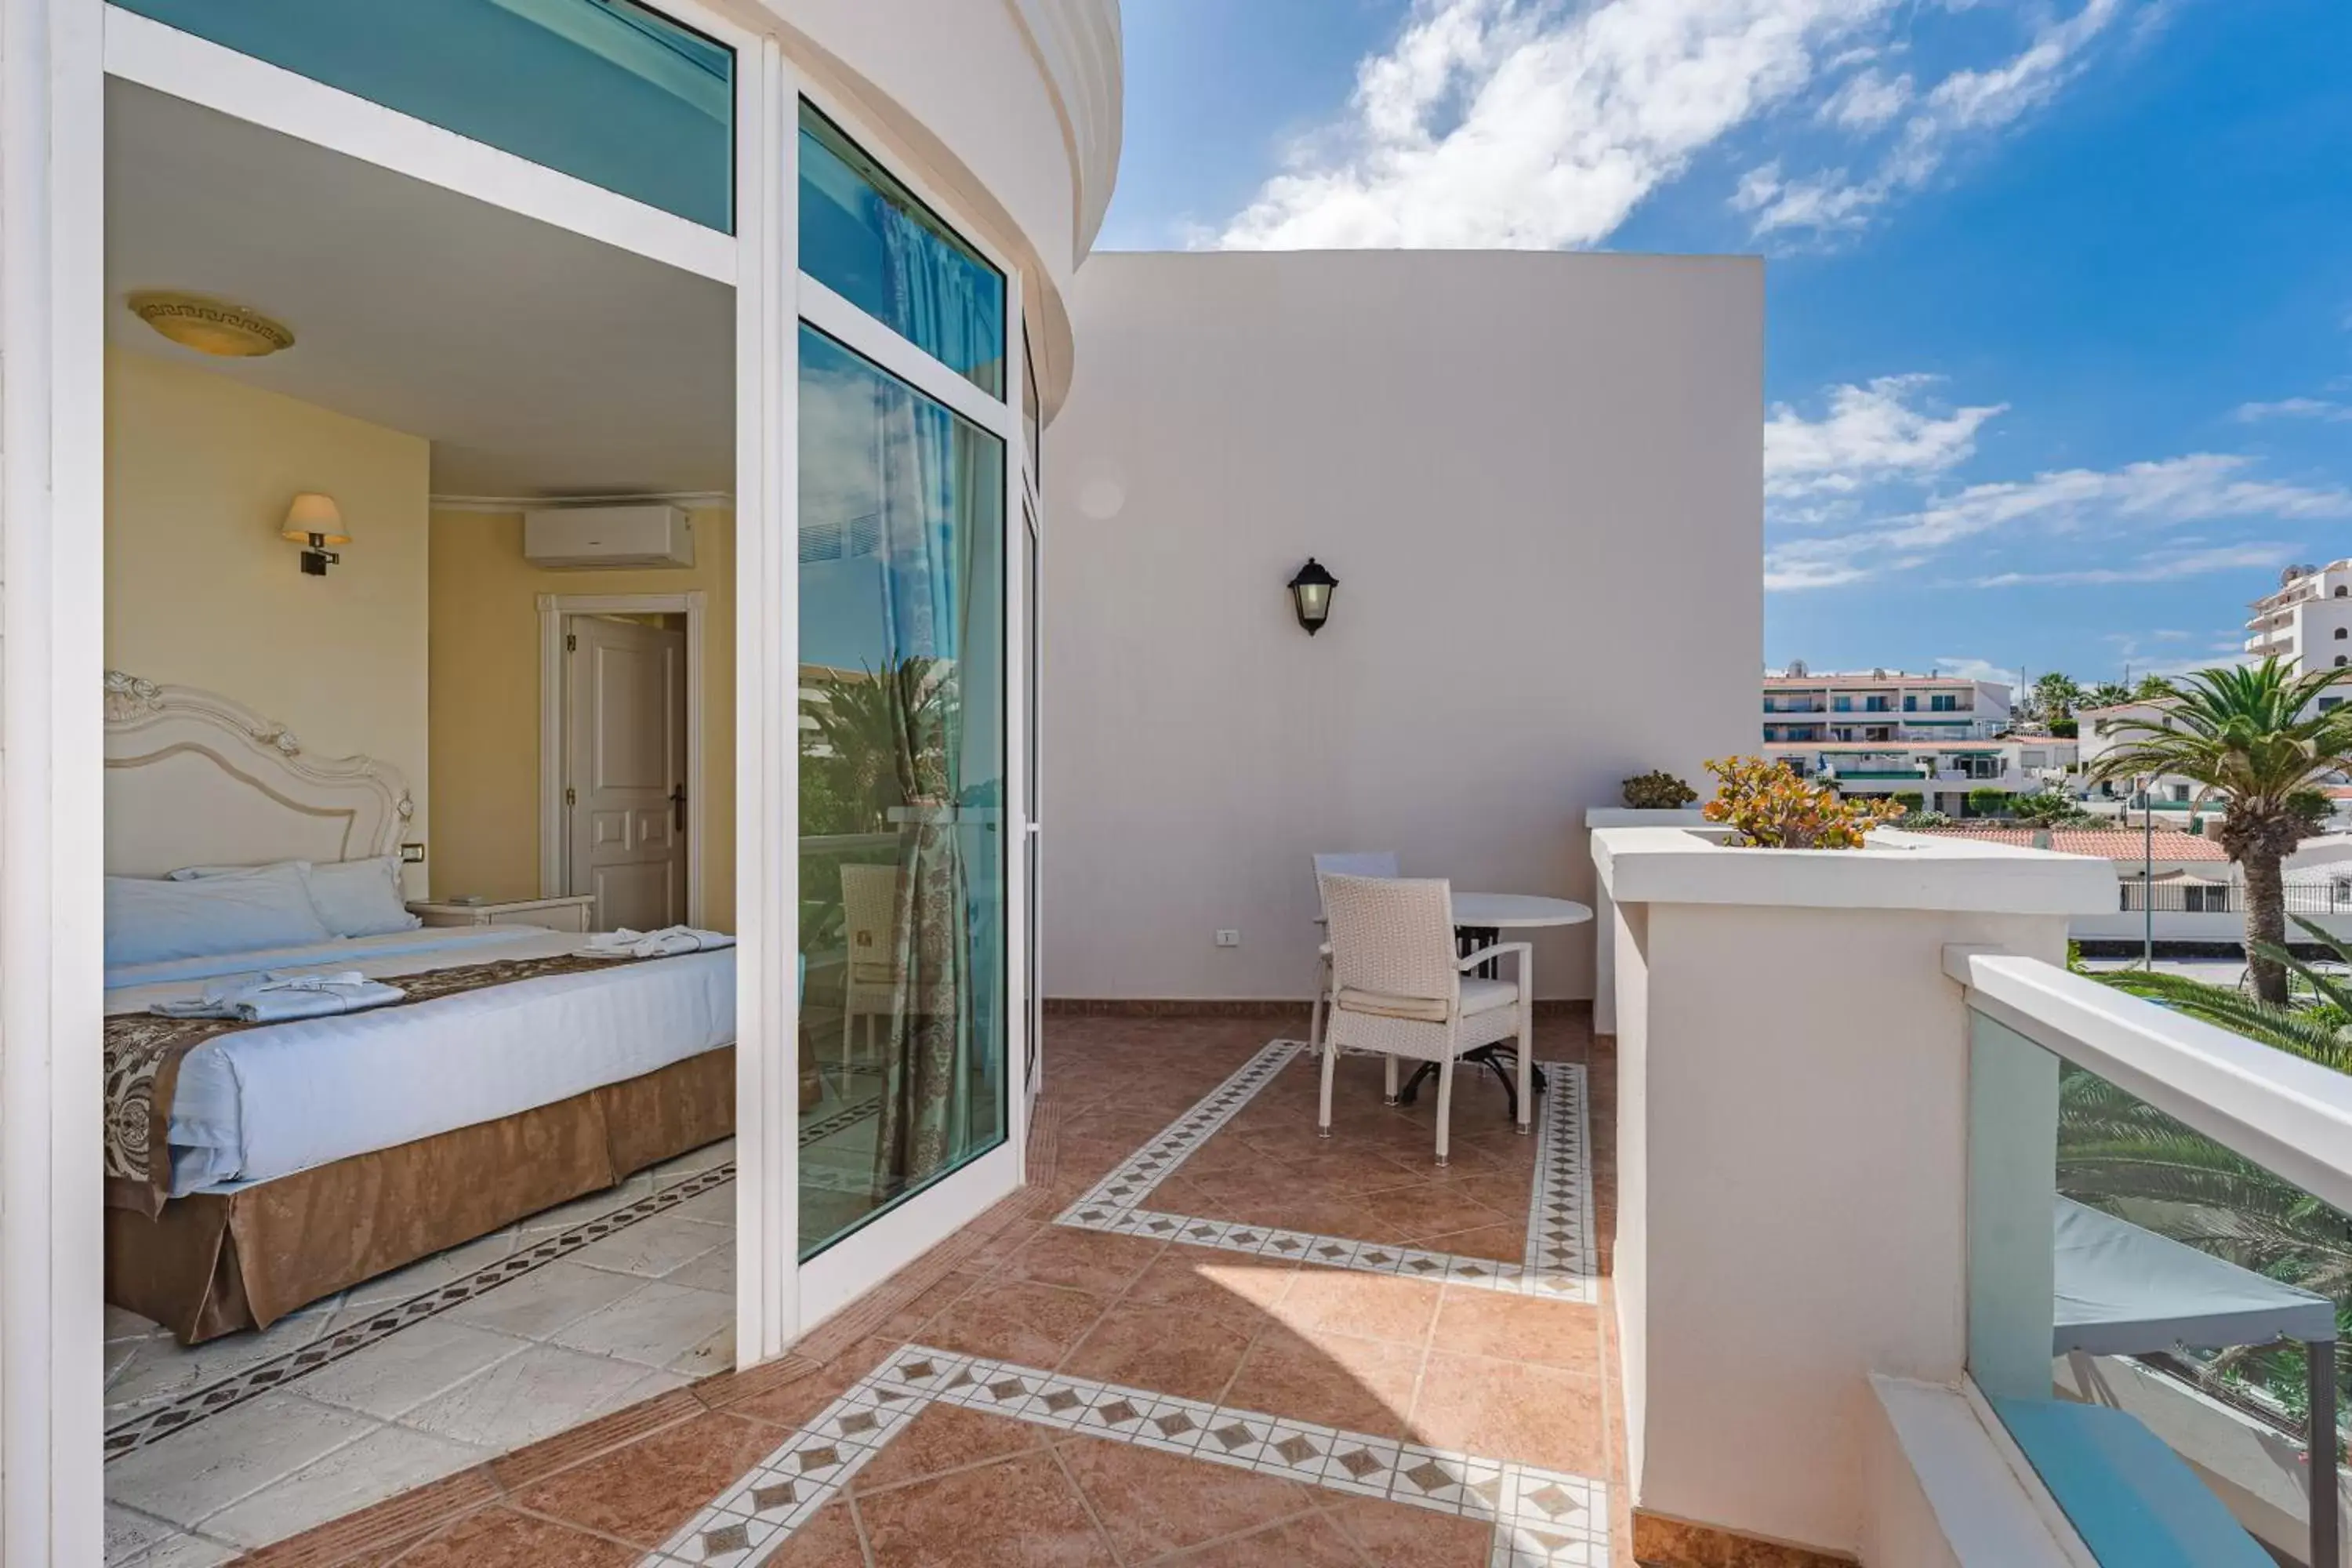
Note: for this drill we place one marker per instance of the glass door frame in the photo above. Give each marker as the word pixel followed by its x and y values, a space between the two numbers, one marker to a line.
pixel 923 1219
pixel 53 314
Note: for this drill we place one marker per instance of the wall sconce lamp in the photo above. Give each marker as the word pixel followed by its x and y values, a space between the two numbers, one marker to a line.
pixel 1310 595
pixel 315 521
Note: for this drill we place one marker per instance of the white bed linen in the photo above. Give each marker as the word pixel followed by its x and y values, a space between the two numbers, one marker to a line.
pixel 266 1102
pixel 131 988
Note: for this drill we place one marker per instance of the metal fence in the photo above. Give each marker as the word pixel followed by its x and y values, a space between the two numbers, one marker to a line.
pixel 2193 898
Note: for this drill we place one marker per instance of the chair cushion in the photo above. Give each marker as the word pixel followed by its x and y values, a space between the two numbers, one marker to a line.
pixel 1421 1009
pixel 1484 995
pixel 1478 996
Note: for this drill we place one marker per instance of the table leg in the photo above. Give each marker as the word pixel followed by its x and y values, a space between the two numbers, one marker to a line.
pixel 1501 1061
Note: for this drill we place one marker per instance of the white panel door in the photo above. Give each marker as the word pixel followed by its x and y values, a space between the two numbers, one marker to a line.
pixel 625 766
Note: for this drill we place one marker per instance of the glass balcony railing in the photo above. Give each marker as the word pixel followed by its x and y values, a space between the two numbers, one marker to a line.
pixel 604 90
pixel 2159 1270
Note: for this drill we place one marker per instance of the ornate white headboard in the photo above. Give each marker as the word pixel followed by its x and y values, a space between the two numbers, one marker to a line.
pixel 192 778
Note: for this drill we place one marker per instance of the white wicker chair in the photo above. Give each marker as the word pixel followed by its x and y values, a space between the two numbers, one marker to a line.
pixel 1359 863
pixel 875 985
pixel 1398 988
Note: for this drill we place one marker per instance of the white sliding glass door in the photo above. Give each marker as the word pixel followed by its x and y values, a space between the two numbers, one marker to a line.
pixel 907 478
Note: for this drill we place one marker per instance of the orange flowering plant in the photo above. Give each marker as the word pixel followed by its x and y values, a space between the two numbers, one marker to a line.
pixel 1774 808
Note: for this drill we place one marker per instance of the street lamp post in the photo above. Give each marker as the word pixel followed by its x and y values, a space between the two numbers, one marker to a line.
pixel 2146 874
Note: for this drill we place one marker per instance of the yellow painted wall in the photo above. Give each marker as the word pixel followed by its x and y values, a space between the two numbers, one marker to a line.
pixel 485 673
pixel 201 591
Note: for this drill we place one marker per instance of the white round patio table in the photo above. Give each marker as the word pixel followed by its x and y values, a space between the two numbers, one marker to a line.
pixel 1515 912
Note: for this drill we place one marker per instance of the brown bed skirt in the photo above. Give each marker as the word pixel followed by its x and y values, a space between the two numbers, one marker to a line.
pixel 214 1263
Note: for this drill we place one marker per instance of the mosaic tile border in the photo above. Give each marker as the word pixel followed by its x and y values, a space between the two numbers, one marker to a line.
pixel 1542 1519
pixel 1557 1261
pixel 158 1422
pixel 840 1121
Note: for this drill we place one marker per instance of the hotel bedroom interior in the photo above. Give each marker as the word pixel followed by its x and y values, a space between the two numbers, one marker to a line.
pixel 420 636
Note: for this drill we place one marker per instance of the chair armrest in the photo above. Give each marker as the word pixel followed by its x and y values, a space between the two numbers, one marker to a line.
pixel 1488 955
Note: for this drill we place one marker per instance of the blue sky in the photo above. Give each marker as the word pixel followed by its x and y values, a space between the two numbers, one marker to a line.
pixel 2059 367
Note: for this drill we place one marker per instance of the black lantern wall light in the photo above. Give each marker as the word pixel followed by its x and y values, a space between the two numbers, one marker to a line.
pixel 1310 595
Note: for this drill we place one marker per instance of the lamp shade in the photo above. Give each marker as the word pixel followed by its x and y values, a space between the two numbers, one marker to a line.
pixel 315 517
pixel 1310 595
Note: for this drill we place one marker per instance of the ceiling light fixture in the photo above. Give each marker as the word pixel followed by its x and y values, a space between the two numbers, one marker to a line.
pixel 211 326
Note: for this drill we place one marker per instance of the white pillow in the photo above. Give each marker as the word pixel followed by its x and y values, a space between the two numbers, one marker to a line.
pixel 355 898
pixel 149 920
pixel 361 898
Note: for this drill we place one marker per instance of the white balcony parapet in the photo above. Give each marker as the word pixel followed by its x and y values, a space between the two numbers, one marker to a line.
pixel 1797 1155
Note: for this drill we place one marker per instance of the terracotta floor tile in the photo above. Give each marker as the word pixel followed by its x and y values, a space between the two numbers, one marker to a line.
pixel 1084 1261
pixel 1508 1410
pixel 944 1438
pixel 1420 1210
pixel 1154 1503
pixel 1504 1243
pixel 645 1492
pixel 1021 1512
pixel 1033 1324
pixel 1400 1534
pixel 1519 1328
pixel 500 1538
pixel 1367 1306
pixel 910 1320
pixel 1358 1385
pixel 829 1540
pixel 1240 1291
pixel 1167 1350
pixel 1312 1541
pixel 990 1256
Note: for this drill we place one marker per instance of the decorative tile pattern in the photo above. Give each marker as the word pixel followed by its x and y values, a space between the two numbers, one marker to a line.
pixel 1558 1260
pixel 1542 1519
pixel 154 1423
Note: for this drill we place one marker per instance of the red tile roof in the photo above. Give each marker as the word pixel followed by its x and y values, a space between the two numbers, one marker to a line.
pixel 2107 843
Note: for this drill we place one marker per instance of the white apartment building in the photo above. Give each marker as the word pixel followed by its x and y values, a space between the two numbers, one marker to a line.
pixel 1883 732
pixel 2308 622
pixel 1880 705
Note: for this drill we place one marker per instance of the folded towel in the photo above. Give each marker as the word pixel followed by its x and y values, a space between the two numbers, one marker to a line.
pixel 281 998
pixel 666 942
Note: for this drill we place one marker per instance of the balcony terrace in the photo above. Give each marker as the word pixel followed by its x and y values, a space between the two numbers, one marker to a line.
pixel 1203 1335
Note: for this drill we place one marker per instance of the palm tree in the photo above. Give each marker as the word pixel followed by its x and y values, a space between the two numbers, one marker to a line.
pixel 2108 694
pixel 2055 697
pixel 2253 736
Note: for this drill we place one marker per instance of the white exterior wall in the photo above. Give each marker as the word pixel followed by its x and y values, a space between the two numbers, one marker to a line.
pixel 1537 478
pixel 2302 621
pixel 1792 1177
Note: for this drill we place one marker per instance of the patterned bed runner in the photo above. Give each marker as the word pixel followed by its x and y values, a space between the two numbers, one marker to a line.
pixel 143 1051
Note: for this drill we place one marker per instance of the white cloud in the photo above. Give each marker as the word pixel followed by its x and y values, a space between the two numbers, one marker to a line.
pixel 1528 123
pixel 1870 435
pixel 2293 408
pixel 1865 100
pixel 2160 566
pixel 2099 506
pixel 1976 670
pixel 1963 103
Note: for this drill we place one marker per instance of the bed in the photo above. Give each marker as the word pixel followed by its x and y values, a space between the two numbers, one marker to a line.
pixel 256 1167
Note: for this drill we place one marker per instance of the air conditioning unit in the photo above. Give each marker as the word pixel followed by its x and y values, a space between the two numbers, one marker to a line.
pixel 608 536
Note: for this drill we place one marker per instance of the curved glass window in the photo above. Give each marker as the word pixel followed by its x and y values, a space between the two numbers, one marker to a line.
pixel 604 90
pixel 902 721
pixel 864 236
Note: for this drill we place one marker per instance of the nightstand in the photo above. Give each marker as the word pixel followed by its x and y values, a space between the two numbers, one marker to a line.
pixel 555 914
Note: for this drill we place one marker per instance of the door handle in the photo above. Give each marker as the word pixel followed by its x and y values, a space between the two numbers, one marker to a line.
pixel 678 808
